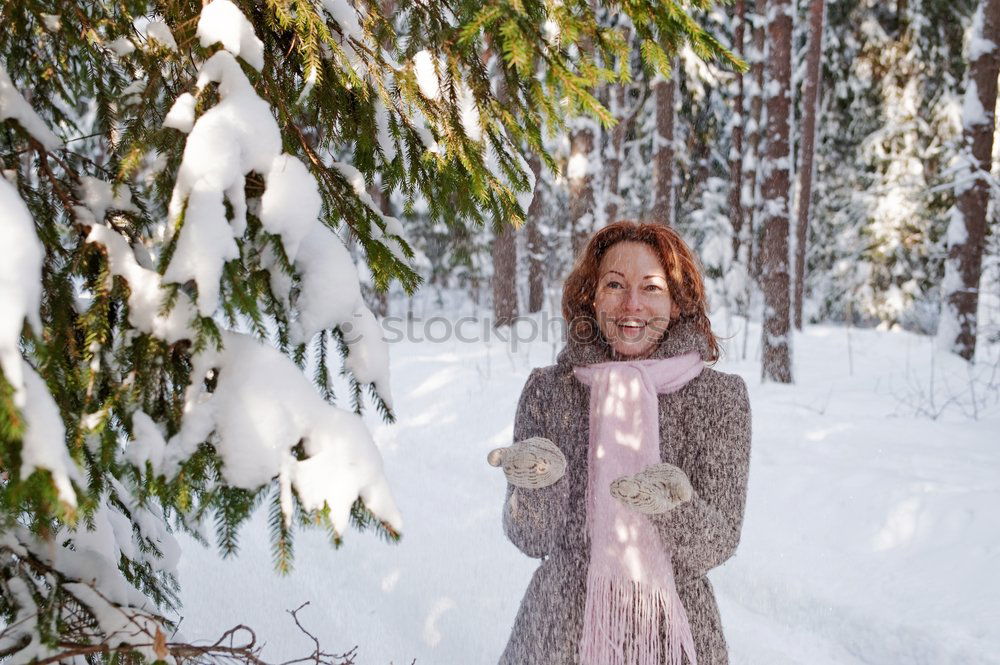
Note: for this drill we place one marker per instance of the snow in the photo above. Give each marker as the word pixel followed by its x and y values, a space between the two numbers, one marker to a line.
pixel 221 21
pixel 425 135
pixel 181 114
pixel 262 406
pixel 348 19
pixel 957 233
pixel 291 202
pixel 53 22
pixel 44 442
pixel 427 78
pixel 949 324
pixel 147 443
pixel 324 260
pixel 91 557
pixel 469 112
pixel 146 295
pixel 345 15
pixel 551 31
pixel 205 245
pixel 121 625
pixel 131 93
pixel 578 166
pixel 979 45
pixel 772 88
pixel 368 355
pixel 384 136
pixel 973 112
pixel 98 196
pixel 20 284
pixel 121 46
pixel 157 32
pixel 869 536
pixel 234 137
pixel 311 79
pixel 14 107
pixel 25 621
pixel 523 196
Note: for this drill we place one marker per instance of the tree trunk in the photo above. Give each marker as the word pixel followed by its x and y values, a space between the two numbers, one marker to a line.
pixel 503 250
pixel 777 360
pixel 534 243
pixel 807 148
pixel 663 153
pixel 967 229
pixel 581 182
pixel 736 148
pixel 614 154
pixel 751 205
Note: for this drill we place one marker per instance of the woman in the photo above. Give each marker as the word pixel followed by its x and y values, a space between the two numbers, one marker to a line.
pixel 628 473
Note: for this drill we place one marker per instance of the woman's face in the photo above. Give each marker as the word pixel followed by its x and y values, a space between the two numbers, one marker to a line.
pixel 632 302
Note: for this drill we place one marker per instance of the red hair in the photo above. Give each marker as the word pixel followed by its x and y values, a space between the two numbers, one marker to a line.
pixel 684 280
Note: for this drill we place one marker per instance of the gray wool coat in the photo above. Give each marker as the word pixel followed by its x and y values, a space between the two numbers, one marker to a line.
pixel 704 430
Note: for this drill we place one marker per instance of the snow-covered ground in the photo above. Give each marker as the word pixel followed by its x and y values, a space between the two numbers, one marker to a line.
pixel 872 529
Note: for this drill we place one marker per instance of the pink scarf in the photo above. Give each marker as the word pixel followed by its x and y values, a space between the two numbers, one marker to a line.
pixel 630 582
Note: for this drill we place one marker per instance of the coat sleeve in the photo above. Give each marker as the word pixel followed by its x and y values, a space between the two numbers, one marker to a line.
pixel 531 516
pixel 703 533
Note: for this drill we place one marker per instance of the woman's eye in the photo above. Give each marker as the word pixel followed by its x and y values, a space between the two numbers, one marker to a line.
pixel 614 285
pixel 653 287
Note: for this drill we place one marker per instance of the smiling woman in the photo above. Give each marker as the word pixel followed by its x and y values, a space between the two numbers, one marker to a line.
pixel 628 471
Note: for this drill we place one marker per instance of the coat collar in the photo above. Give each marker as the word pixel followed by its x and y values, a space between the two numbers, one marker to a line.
pixel 681 337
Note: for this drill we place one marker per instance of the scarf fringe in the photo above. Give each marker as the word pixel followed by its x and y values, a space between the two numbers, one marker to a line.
pixel 622 620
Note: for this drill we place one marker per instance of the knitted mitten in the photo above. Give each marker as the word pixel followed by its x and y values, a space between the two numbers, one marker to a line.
pixel 656 489
pixel 531 463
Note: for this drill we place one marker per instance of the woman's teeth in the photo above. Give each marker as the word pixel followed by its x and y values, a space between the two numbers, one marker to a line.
pixel 631 326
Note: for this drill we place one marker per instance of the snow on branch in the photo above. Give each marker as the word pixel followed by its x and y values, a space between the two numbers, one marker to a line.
pixel 43 444
pixel 146 294
pixel 263 405
pixel 14 107
pixel 236 136
pixel 261 408
pixel 20 282
pixel 222 21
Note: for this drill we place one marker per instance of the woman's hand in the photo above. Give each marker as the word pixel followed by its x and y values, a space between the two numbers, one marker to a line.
pixel 532 463
pixel 654 490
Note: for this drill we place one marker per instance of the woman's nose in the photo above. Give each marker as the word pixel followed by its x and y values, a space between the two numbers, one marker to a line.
pixel 632 302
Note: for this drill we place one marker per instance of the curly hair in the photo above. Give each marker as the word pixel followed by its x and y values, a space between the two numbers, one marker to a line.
pixel 684 278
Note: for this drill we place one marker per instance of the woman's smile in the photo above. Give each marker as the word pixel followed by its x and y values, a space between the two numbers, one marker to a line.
pixel 632 329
